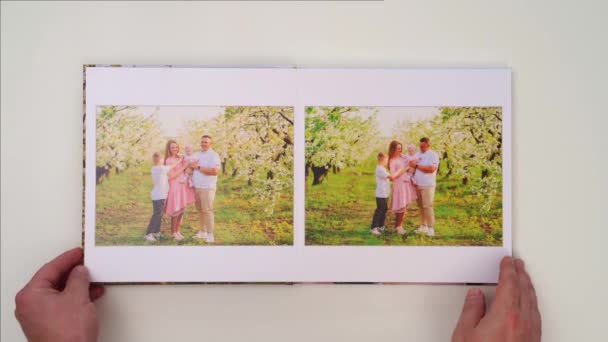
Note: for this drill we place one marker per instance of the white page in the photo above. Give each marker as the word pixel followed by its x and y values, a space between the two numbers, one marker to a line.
pixel 295 88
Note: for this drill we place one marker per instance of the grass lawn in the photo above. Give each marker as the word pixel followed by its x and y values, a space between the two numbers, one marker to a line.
pixel 123 209
pixel 339 212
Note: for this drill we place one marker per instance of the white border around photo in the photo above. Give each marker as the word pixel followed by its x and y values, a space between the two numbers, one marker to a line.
pixel 165 86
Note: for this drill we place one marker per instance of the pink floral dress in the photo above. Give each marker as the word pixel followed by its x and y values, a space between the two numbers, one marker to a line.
pixel 404 192
pixel 180 194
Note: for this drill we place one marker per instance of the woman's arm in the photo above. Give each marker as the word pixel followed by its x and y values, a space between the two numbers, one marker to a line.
pixel 177 169
pixel 398 173
pixel 172 166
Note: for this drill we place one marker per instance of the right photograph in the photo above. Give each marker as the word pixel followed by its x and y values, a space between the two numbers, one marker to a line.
pixel 417 176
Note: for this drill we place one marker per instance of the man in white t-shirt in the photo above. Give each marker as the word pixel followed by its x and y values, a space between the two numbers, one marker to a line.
pixel 426 164
pixel 204 180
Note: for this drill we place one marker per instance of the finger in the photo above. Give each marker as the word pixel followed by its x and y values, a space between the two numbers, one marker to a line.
pixel 507 291
pixel 473 309
pixel 96 292
pixel 529 301
pixel 525 289
pixel 78 283
pixel 51 274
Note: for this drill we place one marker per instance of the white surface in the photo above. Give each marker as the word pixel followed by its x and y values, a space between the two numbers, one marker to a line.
pixel 558 55
pixel 296 88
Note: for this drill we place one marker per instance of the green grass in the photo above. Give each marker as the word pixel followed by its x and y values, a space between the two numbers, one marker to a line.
pixel 339 212
pixel 123 209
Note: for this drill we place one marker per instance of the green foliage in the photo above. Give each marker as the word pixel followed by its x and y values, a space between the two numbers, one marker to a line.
pixel 469 143
pixel 124 209
pixel 124 136
pixel 337 136
pixel 339 212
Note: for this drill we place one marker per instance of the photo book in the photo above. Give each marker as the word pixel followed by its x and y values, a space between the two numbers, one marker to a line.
pixel 285 175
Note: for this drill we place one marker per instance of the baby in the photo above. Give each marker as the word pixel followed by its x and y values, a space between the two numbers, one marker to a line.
pixel 411 155
pixel 189 157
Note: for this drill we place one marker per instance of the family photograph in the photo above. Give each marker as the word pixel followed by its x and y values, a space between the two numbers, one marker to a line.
pixel 177 175
pixel 420 176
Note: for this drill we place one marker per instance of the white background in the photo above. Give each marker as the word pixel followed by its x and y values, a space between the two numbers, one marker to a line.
pixel 558 54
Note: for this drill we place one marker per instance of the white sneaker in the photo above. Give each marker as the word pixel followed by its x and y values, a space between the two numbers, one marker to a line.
pixel 157 235
pixel 150 237
pixel 375 231
pixel 400 230
pixel 209 238
pixel 430 232
pixel 177 237
pixel 201 235
pixel 422 230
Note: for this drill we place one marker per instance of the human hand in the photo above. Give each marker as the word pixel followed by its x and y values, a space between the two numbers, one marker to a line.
pixel 413 163
pixel 514 315
pixel 57 303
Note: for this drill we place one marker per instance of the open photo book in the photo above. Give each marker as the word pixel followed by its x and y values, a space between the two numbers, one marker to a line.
pixel 296 175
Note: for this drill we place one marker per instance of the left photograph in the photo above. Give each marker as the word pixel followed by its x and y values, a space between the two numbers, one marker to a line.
pixel 194 175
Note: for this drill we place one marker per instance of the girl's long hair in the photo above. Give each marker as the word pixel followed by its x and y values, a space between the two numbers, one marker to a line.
pixel 392 147
pixel 168 149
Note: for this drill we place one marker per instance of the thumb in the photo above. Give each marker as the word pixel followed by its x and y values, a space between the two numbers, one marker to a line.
pixel 473 309
pixel 77 284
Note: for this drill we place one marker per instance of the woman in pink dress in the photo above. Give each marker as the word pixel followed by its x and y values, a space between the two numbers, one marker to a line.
pixel 404 192
pixel 177 197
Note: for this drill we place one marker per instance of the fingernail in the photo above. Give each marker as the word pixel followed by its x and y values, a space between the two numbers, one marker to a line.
pixel 81 269
pixel 474 292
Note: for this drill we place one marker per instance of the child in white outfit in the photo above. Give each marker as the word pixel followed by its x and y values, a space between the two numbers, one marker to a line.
pixel 383 189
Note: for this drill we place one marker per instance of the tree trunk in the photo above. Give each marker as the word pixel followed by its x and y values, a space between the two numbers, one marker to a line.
pixel 101 173
pixel 269 175
pixel 224 167
pixel 250 178
pixel 319 173
pixel 448 165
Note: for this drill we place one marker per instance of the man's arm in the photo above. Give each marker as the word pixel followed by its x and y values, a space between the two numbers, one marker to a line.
pixel 427 168
pixel 209 171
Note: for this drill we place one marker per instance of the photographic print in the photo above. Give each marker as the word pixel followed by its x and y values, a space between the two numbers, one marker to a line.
pixel 194 175
pixel 423 176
